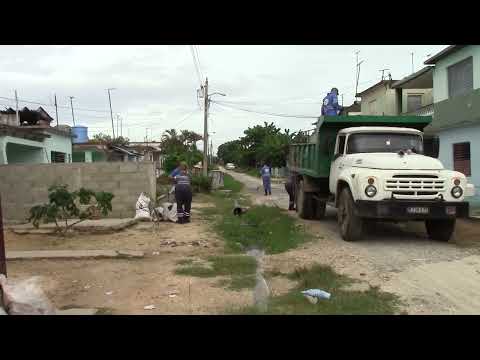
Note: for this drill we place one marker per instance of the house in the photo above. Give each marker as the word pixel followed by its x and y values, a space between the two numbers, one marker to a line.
pixel 456 103
pixel 354 109
pixel 94 152
pixel 151 151
pixel 31 139
pixel 416 93
pixel 410 96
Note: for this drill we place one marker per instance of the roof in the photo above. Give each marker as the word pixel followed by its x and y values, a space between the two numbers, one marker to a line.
pixel 445 52
pixel 355 107
pixel 30 116
pixel 121 149
pixel 379 129
pixel 22 132
pixel 422 79
pixel 374 86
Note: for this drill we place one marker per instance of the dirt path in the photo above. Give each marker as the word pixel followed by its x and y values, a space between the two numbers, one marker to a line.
pixel 431 277
pixel 125 286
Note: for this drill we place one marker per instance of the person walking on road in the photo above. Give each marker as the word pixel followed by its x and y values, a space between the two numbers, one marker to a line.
pixel 183 194
pixel 290 188
pixel 266 175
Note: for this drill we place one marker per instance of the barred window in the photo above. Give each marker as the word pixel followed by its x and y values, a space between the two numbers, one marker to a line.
pixel 460 78
pixel 461 158
pixel 57 157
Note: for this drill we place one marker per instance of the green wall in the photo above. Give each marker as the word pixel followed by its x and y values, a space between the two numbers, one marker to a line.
pixel 440 74
pixel 25 154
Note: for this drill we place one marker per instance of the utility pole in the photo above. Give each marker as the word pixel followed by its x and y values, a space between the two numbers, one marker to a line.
pixel 111 114
pixel 205 128
pixel 342 100
pixel 413 69
pixel 56 108
pixel 71 104
pixel 118 132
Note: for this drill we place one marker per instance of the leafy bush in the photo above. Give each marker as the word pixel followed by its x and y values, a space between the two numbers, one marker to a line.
pixel 62 206
pixel 201 183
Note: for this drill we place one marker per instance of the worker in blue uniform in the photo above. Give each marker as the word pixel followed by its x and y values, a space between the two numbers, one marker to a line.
pixel 330 105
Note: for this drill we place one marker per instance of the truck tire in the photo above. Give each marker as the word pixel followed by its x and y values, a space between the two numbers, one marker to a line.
pixel 304 203
pixel 440 230
pixel 350 224
pixel 320 208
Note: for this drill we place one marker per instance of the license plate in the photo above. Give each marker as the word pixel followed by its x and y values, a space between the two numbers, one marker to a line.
pixel 418 210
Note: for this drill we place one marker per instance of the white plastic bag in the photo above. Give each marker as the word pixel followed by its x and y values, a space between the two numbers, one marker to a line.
pixel 142 208
pixel 169 212
pixel 25 297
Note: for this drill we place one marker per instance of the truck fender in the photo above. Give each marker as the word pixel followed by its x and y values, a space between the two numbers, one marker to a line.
pixel 344 181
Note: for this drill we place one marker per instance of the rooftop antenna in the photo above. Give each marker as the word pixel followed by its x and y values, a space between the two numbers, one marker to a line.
pixel 383 73
pixel 357 73
pixel 413 69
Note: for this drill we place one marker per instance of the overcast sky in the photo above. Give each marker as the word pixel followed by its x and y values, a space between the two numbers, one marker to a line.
pixel 156 85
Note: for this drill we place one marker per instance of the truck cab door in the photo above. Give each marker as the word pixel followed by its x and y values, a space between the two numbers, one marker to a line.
pixel 337 163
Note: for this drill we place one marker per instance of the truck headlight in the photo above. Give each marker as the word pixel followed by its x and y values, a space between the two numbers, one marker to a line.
pixel 457 192
pixel 370 191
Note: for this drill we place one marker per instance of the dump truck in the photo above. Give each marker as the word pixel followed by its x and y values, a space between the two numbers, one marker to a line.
pixel 377 168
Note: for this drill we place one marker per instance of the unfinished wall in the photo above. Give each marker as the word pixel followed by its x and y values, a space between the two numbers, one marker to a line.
pixel 22 186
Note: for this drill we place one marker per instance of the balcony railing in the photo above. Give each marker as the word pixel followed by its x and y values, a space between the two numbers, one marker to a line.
pixel 423 111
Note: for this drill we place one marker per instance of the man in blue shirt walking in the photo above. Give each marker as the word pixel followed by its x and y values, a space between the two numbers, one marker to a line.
pixel 266 174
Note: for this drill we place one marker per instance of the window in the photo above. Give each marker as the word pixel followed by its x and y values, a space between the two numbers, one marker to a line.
pixel 414 102
pixel 372 107
pixel 461 158
pixel 384 142
pixel 341 145
pixel 57 157
pixel 460 78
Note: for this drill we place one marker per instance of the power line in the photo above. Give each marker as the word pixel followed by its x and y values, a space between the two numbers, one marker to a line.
pixel 196 65
pixel 195 47
pixel 267 113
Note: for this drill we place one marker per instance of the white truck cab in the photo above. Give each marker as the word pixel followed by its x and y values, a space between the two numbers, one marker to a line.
pixel 381 173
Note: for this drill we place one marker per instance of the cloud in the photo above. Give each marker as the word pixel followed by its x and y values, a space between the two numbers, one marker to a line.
pixel 156 85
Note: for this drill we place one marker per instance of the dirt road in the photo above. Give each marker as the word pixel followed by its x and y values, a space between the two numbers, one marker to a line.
pixel 126 286
pixel 431 277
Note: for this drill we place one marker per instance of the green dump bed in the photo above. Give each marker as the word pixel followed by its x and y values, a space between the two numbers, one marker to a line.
pixel 314 157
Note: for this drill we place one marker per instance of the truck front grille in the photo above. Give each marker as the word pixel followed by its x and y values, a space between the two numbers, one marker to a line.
pixel 415 186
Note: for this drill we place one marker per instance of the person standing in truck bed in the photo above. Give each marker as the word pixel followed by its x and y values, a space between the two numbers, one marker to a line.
pixel 183 194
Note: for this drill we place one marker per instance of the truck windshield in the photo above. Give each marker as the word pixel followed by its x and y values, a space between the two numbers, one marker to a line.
pixel 384 142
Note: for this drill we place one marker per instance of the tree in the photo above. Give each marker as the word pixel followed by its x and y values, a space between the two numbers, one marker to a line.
pixel 260 144
pixel 180 147
pixel 63 206
pixel 107 140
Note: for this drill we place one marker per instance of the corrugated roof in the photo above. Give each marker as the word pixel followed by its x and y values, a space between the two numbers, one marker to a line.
pixel 445 52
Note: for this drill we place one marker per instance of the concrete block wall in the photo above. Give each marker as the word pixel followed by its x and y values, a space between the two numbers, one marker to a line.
pixel 23 186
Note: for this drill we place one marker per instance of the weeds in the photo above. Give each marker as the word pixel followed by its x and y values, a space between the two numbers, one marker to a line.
pixel 372 301
pixel 239 268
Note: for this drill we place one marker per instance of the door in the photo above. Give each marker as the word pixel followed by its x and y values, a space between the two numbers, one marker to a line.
pixel 337 163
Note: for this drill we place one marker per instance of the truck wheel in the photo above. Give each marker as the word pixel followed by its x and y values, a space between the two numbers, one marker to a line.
pixel 350 224
pixel 320 207
pixel 440 230
pixel 304 203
